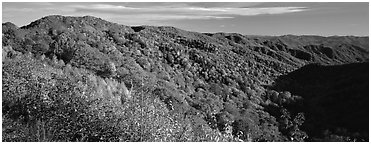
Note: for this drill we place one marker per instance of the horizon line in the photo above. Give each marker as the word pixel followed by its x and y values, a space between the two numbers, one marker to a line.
pixel 216 32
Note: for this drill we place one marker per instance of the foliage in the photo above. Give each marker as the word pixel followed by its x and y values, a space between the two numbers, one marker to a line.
pixel 326 91
pixel 87 79
pixel 42 103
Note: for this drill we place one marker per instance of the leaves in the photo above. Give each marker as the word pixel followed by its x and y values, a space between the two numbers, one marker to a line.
pixel 86 79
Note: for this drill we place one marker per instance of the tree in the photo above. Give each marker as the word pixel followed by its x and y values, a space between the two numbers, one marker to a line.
pixel 290 127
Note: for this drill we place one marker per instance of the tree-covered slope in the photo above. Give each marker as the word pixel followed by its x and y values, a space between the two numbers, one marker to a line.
pixel 148 83
pixel 335 99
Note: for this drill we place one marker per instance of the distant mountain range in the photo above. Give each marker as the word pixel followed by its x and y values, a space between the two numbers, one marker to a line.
pixel 215 86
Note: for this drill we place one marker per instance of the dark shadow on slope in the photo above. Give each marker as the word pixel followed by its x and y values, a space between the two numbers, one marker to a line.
pixel 335 99
pixel 137 28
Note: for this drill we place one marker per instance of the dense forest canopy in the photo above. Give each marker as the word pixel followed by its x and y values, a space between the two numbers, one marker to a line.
pixel 87 79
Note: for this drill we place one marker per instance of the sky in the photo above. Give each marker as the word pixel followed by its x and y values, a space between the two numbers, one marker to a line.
pixel 249 18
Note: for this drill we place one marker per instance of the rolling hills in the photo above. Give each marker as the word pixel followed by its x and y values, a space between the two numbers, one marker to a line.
pixel 87 79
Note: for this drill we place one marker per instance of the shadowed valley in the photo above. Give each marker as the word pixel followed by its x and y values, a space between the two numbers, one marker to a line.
pixel 87 79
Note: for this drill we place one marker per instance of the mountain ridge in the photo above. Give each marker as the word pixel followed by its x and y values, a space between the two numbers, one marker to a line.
pixel 49 16
pixel 216 79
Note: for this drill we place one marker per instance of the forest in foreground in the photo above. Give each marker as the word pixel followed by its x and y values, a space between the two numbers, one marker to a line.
pixel 87 79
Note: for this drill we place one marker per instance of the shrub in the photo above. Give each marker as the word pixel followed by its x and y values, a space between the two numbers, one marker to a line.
pixel 42 103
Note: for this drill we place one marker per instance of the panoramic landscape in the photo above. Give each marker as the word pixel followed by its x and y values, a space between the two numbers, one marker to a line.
pixel 129 72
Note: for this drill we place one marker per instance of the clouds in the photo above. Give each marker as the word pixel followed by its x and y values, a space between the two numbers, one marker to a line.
pixel 160 13
pixel 105 7
pixel 186 11
pixel 242 17
pixel 150 13
pixel 147 13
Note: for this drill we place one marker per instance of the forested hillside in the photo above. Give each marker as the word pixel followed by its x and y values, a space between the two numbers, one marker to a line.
pixel 87 79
